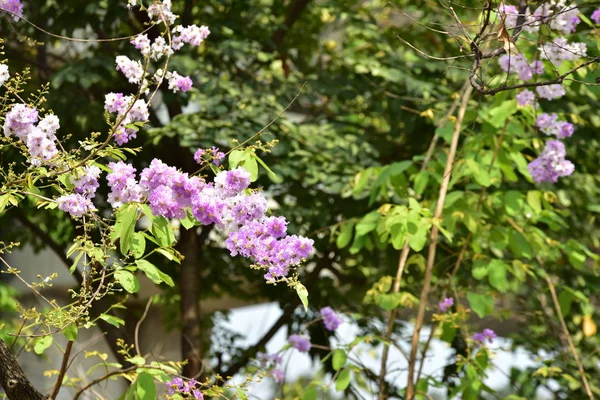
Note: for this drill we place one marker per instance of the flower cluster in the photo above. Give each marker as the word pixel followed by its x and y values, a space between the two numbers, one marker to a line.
pixel 15 7
pixel 40 139
pixel 123 184
pixel 445 304
pixel 550 92
pixel 526 98
pixel 213 154
pixel 560 50
pixel 86 183
pixel 300 343
pixel 178 82
pixel 272 363
pixel 551 125
pixel 133 70
pixel 518 64
pixel 330 318
pixel 250 233
pixel 564 18
pixel 551 164
pixel 128 112
pixel 188 390
pixel 486 334
pixel 556 13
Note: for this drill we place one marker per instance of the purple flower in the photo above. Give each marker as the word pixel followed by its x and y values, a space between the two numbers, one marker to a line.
pixel 551 164
pixel 13 6
pixel 596 16
pixel 525 98
pixel 550 92
pixel 19 120
pixel 198 155
pixel 278 375
pixel 232 182
pixel 86 181
pixel 124 186
pixel 75 204
pixel 300 343
pixel 192 35
pixel 197 394
pixel 446 304
pixel 486 334
pixel 178 82
pixel 551 125
pixel 132 70
pixel 330 318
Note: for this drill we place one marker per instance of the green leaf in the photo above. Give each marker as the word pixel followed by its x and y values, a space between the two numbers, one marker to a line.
pixel 111 319
pixel 162 231
pixel 303 294
pixel 138 244
pixel 146 390
pixel 126 218
pixel 189 221
pixel 235 158
pixel 272 175
pixel 565 300
pixel 480 270
pixel 137 360
pixel 345 235
pixel 534 199
pixel 343 380
pixel 481 304
pixel 241 394
pixel 519 245
pixel 446 131
pixel 368 223
pixel 497 275
pixel 339 359
pixel 153 273
pixel 127 280
pixel 421 181
pixel 310 393
pixel 513 202
pixel 42 344
pixel 71 332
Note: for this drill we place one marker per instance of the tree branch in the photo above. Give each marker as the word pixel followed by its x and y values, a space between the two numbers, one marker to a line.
pixel 293 14
pixel 13 380
pixel 433 240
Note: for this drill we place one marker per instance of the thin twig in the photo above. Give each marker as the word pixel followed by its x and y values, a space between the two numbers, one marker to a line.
pixel 62 371
pixel 565 329
pixel 139 324
pixel 391 321
pixel 433 239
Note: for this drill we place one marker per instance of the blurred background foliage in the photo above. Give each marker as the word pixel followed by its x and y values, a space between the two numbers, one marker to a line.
pixel 352 142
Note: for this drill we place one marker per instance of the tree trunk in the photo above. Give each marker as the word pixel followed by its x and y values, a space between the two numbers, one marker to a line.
pixel 12 378
pixel 191 340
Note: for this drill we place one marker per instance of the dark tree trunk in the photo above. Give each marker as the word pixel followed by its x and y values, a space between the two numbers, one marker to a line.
pixel 12 378
pixel 191 338
pixel 293 14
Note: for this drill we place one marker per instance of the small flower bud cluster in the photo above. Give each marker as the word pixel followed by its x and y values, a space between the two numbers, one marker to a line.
pixel 40 139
